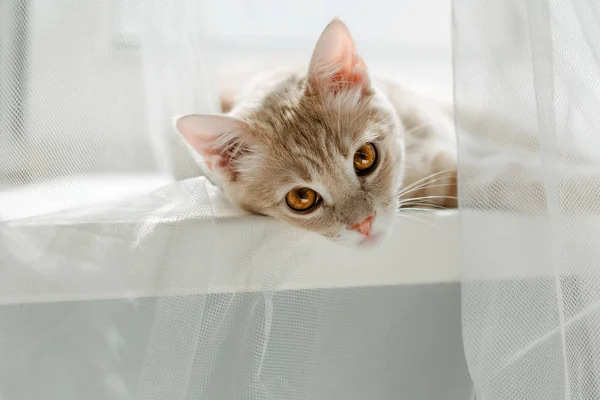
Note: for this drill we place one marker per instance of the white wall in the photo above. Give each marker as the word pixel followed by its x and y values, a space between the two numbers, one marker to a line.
pixel 416 22
pixel 86 98
pixel 410 39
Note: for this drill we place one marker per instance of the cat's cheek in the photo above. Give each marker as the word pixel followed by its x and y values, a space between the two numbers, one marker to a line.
pixel 253 209
pixel 397 171
pixel 309 223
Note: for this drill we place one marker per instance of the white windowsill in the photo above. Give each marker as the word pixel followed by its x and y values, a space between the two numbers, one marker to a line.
pixel 74 255
pixel 186 238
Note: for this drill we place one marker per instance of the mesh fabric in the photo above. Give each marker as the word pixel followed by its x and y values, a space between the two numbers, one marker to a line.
pixel 529 192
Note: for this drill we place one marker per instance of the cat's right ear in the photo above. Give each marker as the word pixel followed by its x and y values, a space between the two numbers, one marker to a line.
pixel 335 62
pixel 219 139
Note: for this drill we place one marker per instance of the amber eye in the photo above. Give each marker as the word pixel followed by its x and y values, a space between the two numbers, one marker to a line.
pixel 302 199
pixel 365 159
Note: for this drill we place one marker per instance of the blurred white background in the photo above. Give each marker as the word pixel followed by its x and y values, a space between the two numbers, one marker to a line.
pixel 76 96
pixel 410 39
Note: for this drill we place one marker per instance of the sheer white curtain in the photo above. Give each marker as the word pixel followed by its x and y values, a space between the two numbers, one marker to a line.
pixel 121 280
pixel 530 195
pixel 87 88
pixel 88 91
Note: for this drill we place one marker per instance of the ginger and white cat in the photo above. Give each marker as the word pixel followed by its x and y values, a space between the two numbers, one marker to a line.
pixel 333 149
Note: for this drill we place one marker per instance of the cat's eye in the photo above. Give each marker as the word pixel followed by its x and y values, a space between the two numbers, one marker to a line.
pixel 302 199
pixel 365 159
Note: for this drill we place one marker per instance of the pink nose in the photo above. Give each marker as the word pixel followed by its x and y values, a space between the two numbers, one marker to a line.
pixel 364 227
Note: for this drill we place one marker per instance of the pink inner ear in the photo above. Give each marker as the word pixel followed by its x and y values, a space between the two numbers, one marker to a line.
pixel 221 157
pixel 218 139
pixel 350 74
pixel 335 62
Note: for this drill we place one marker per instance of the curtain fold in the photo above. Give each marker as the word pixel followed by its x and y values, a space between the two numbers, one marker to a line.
pixel 527 91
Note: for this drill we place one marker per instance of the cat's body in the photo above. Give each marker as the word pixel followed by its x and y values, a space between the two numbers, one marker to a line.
pixel 331 149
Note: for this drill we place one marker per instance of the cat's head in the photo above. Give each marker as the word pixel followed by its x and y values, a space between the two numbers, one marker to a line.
pixel 322 151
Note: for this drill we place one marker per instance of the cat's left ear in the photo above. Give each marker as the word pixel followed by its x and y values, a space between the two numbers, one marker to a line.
pixel 221 140
pixel 335 62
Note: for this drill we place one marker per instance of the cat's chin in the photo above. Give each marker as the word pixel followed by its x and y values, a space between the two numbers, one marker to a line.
pixel 363 242
pixel 382 229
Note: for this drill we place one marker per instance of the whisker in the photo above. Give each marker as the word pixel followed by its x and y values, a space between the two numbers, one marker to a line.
pixel 424 186
pixel 425 211
pixel 424 179
pixel 410 202
pixel 429 206
pixel 413 218
pixel 422 210
pixel 418 128
pixel 427 198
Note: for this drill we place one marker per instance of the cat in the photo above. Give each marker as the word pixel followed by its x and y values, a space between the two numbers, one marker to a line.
pixel 331 149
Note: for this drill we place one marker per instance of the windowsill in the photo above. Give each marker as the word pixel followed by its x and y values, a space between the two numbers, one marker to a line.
pixel 185 238
pixel 170 243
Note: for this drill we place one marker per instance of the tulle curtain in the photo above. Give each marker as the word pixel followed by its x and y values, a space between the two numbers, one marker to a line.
pixel 530 195
pixel 88 91
pixel 90 88
pixel 121 279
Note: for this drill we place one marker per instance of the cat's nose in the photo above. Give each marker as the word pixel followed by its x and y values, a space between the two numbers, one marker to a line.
pixel 364 227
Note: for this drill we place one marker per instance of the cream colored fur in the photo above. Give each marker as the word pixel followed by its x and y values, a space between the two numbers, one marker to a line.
pixel 291 128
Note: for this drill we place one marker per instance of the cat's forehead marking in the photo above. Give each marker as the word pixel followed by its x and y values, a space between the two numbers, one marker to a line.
pixel 304 167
